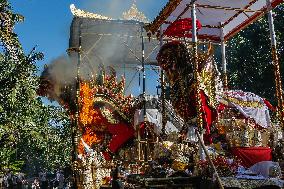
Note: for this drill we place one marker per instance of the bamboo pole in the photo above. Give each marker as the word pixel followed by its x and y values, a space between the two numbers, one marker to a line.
pixel 144 95
pixel 196 74
pixel 228 8
pixel 195 64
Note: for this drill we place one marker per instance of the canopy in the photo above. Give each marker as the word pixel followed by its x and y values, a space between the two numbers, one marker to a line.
pixel 219 18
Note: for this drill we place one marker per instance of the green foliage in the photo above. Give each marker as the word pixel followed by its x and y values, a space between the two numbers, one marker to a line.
pixel 32 135
pixel 249 58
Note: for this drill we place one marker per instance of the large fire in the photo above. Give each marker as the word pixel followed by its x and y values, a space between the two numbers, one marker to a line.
pixel 103 109
pixel 89 118
pixel 105 113
pixel 88 115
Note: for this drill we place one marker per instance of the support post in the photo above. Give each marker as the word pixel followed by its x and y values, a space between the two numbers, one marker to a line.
pixel 224 61
pixel 76 120
pixel 278 82
pixel 197 90
pixel 195 64
pixel 199 119
pixel 164 119
pixel 144 95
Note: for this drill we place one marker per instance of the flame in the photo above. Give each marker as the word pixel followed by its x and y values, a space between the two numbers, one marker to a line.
pixel 88 115
pixel 94 121
pixel 90 138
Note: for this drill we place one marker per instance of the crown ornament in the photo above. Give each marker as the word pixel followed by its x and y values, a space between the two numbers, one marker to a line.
pixel 134 14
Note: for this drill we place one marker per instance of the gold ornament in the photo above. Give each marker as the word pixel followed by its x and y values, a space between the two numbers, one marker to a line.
pixel 83 14
pixel 134 14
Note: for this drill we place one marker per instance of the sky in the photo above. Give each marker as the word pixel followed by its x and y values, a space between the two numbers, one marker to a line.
pixel 47 22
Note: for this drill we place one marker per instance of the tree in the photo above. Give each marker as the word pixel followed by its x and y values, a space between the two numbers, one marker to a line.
pixel 31 133
pixel 250 65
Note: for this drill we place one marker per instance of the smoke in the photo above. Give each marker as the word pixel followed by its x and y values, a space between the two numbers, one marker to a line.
pixel 110 8
pixel 62 70
pixel 115 8
pixel 103 43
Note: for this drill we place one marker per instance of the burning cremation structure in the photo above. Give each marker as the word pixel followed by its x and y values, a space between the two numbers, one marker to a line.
pixel 159 143
pixel 104 119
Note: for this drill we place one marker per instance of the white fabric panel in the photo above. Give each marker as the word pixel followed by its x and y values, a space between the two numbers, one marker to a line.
pixel 259 114
pixel 243 17
pixel 211 31
pixel 170 128
pixel 180 8
pixel 155 117
pixel 152 115
pixel 224 3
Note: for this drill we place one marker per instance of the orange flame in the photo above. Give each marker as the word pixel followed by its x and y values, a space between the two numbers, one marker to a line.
pixel 88 117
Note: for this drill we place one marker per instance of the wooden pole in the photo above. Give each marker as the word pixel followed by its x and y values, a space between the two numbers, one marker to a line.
pixel 195 64
pixel 278 82
pixel 210 161
pixel 196 74
pixel 144 95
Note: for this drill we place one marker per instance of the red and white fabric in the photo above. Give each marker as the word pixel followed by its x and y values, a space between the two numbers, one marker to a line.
pixel 249 104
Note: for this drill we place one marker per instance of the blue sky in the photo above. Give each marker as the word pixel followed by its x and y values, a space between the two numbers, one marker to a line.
pixel 47 22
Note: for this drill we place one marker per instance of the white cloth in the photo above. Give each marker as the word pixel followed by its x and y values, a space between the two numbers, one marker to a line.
pixel 152 115
pixel 264 167
pixel 249 104
pixel 170 128
pixel 155 117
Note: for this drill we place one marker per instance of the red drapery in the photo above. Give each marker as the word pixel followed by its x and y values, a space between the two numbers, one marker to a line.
pixel 181 28
pixel 209 115
pixel 121 133
pixel 252 155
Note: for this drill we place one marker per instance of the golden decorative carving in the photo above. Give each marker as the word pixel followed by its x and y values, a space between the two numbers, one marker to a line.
pixel 252 104
pixel 134 14
pixel 80 13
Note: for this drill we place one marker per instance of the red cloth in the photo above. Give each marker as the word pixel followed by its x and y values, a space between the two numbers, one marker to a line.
pixel 252 155
pixel 209 115
pixel 121 133
pixel 181 28
pixel 269 105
